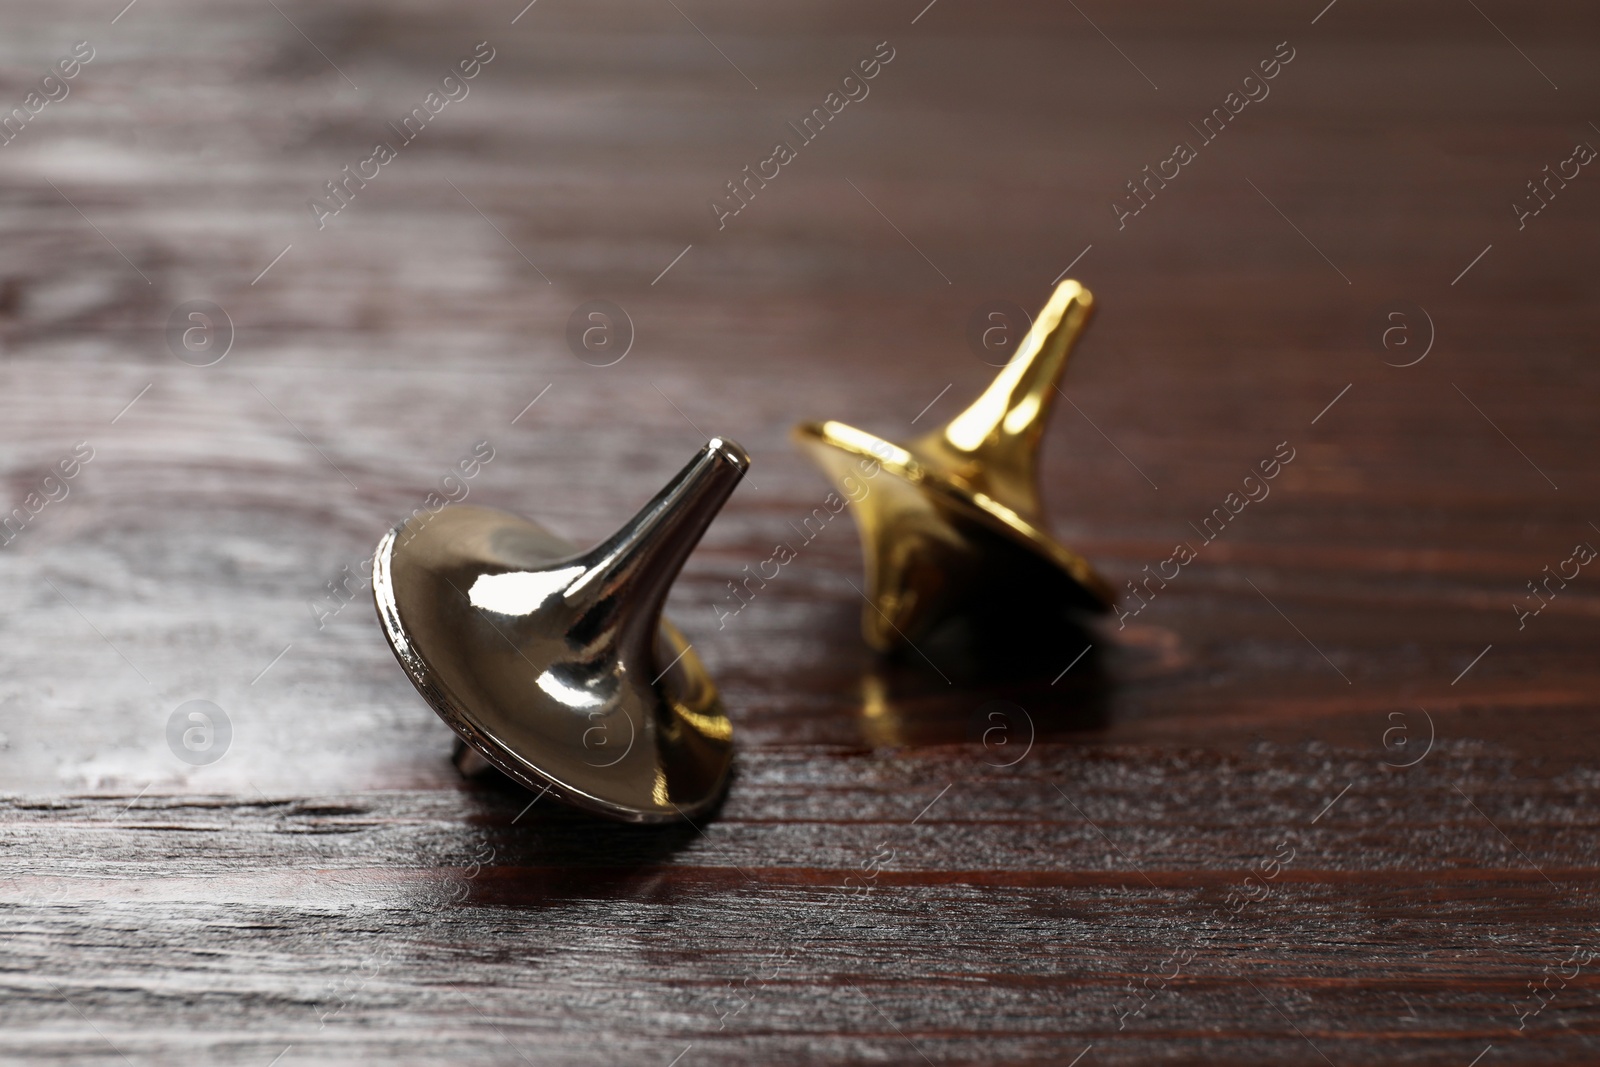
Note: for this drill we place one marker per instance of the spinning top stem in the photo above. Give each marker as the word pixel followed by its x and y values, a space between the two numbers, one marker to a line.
pixel 625 579
pixel 993 446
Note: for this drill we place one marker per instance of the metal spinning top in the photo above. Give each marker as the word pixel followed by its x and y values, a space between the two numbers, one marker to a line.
pixel 554 665
pixel 957 523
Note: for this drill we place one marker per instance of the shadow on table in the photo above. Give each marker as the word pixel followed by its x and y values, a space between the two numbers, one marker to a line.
pixel 1028 672
pixel 550 854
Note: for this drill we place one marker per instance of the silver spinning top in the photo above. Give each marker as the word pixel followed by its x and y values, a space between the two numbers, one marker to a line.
pixel 554 665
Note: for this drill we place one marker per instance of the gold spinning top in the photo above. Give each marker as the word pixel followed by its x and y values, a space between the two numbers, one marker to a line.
pixel 957 524
pixel 554 665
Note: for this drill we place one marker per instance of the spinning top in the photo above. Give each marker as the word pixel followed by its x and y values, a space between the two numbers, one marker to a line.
pixel 956 524
pixel 554 665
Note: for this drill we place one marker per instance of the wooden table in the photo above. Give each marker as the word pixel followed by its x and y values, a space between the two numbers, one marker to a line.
pixel 1325 798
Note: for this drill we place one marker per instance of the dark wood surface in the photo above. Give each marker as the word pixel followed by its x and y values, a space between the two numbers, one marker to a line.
pixel 890 879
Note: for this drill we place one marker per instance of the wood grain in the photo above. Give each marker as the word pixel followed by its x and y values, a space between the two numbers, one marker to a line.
pixel 896 876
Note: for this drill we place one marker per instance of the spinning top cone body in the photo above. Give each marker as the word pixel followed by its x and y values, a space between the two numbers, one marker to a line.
pixel 955 521
pixel 554 665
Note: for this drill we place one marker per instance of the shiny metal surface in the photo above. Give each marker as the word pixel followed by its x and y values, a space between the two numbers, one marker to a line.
pixel 957 522
pixel 555 666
